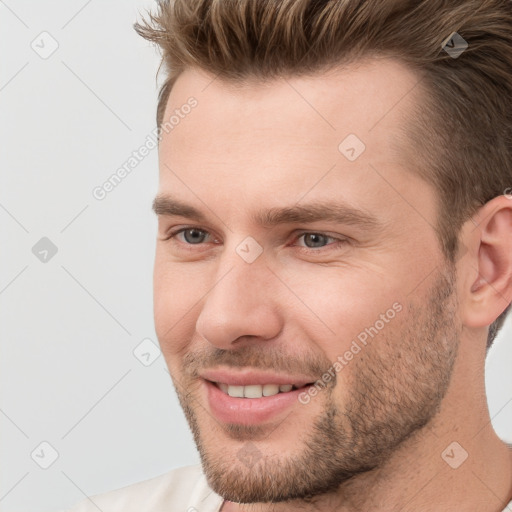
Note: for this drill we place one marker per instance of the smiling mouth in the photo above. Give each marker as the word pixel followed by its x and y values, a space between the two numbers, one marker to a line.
pixel 257 390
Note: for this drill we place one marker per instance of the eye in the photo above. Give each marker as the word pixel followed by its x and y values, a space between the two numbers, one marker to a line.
pixel 314 241
pixel 191 236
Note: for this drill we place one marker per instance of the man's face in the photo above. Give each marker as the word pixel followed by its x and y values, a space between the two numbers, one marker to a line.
pixel 365 298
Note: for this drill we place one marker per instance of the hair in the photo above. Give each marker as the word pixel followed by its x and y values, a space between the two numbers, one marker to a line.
pixel 460 133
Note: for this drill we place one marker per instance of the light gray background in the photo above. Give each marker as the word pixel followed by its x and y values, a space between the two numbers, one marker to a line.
pixel 69 326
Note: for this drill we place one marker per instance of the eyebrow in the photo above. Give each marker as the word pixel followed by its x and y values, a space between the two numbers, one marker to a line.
pixel 298 214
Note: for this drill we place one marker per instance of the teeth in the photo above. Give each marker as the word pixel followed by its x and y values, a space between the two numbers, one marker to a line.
pixel 270 389
pixel 254 390
pixel 236 391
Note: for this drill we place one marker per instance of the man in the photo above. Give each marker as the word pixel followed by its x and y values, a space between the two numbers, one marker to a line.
pixel 334 253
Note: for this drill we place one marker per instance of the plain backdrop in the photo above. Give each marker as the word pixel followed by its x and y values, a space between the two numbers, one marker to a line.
pixel 85 408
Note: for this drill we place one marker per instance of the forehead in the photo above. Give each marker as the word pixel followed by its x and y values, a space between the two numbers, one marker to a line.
pixel 368 97
pixel 289 136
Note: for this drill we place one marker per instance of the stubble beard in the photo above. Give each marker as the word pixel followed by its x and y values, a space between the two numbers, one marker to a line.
pixel 396 384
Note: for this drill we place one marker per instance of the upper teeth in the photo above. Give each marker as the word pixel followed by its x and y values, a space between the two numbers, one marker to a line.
pixel 254 390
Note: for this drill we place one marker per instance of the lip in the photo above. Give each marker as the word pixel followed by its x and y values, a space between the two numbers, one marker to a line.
pixel 248 377
pixel 248 411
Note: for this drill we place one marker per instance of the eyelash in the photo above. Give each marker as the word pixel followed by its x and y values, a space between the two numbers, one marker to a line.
pixel 189 247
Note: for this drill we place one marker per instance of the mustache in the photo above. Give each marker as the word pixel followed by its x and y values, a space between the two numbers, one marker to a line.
pixel 258 357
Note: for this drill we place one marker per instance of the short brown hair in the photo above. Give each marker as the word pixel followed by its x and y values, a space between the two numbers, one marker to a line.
pixel 460 135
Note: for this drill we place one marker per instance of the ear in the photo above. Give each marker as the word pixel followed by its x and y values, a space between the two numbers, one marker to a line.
pixel 487 265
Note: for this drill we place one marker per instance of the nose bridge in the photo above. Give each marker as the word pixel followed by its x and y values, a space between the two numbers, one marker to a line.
pixel 242 301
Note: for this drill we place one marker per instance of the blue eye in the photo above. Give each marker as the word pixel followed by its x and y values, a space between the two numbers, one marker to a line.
pixel 313 242
pixel 195 236
pixel 316 239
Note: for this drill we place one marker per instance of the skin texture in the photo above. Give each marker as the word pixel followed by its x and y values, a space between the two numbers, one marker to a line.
pixel 373 439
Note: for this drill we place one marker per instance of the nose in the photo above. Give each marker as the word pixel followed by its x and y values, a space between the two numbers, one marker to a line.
pixel 242 303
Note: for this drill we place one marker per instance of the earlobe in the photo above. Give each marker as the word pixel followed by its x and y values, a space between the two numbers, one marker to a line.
pixel 490 291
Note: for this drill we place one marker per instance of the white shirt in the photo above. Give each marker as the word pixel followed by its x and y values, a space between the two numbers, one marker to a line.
pixel 183 489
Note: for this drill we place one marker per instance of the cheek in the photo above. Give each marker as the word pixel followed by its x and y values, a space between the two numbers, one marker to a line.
pixel 336 305
pixel 174 296
pixel 374 360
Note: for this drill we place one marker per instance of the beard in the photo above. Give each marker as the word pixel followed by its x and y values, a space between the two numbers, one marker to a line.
pixel 395 387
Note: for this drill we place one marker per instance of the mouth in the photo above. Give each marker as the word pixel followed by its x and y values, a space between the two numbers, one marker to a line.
pixel 257 390
pixel 252 403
